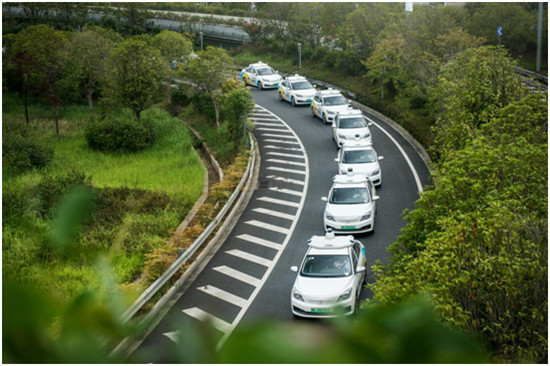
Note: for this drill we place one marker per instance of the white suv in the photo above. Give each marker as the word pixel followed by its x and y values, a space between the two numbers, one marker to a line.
pixel 351 204
pixel 350 125
pixel 359 157
pixel 330 278
pixel 297 90
pixel 327 103
pixel 261 75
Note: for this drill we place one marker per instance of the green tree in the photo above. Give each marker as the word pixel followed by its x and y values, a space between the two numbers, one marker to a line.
pixel 39 53
pixel 209 70
pixel 173 45
pixel 137 72
pixel 470 90
pixel 237 103
pixel 86 63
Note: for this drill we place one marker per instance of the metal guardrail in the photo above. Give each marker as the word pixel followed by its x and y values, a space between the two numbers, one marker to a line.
pixel 541 78
pixel 170 272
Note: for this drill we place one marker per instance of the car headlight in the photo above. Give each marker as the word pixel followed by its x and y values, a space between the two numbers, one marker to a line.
pixel 367 134
pixel 329 217
pixel 376 172
pixel 366 216
pixel 296 295
pixel 342 136
pixel 346 295
pixel 331 112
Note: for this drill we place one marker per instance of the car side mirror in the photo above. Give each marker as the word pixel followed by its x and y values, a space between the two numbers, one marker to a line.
pixel 375 198
pixel 380 158
pixel 294 269
pixel 337 160
pixel 370 124
pixel 360 269
pixel 324 199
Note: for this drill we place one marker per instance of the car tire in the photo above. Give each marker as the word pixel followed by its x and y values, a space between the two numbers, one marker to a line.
pixel 281 97
pixel 324 117
pixel 293 101
pixel 260 85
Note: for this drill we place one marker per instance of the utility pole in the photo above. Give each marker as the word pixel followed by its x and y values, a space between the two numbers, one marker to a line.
pixel 299 56
pixel 539 37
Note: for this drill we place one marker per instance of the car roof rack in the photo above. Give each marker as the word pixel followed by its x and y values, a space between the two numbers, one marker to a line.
pixel 331 241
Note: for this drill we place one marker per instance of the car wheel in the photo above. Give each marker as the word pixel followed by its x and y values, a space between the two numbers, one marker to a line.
pixel 293 101
pixel 281 97
pixel 313 113
pixel 260 85
pixel 324 117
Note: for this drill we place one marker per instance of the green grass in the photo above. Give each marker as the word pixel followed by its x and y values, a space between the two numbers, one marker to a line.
pixel 170 170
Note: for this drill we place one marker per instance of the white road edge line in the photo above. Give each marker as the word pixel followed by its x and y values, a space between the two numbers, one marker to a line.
pixel 409 162
pixel 278 254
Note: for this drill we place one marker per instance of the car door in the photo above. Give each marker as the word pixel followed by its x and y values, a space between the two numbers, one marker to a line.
pixel 359 251
pixel 357 276
pixel 253 75
pixel 335 123
pixel 286 89
pixel 315 104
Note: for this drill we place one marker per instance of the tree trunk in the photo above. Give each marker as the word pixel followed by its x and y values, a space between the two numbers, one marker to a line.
pixel 90 104
pixel 217 112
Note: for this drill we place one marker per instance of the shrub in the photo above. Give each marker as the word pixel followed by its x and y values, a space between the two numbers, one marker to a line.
pixel 118 134
pixel 51 189
pixel 203 104
pixel 21 153
pixel 180 97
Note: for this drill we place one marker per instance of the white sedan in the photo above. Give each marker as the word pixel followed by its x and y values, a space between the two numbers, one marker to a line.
pixel 350 125
pixel 330 278
pixel 351 204
pixel 296 90
pixel 327 103
pixel 360 158
pixel 261 75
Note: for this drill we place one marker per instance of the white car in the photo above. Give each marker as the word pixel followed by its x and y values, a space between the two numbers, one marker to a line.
pixel 261 75
pixel 359 157
pixel 350 125
pixel 297 90
pixel 327 103
pixel 330 278
pixel 351 204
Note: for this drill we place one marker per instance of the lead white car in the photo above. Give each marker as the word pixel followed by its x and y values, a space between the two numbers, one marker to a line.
pixel 351 204
pixel 350 125
pixel 261 75
pixel 359 157
pixel 296 90
pixel 330 278
pixel 326 103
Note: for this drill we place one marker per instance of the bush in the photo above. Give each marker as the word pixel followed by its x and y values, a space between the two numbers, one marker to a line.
pixel 21 153
pixel 203 104
pixel 50 190
pixel 180 97
pixel 118 134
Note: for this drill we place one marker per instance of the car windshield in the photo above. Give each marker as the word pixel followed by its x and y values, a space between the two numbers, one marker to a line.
pixel 349 196
pixel 301 85
pixel 326 266
pixel 355 122
pixel 266 71
pixel 336 100
pixel 358 156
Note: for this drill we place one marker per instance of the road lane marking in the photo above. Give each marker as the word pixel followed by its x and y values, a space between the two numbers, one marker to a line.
pixel 287 191
pixel 238 275
pixel 274 130
pixel 278 202
pixel 249 257
pixel 285 155
pixel 282 141
pixel 281 135
pixel 223 295
pixel 286 148
pixel 287 180
pixel 411 166
pixel 259 241
pixel 270 227
pixel 285 170
pixel 278 214
pixel 202 315
pixel 286 162
pixel 270 124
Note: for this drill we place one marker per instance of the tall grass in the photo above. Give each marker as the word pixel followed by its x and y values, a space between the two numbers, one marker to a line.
pixel 170 170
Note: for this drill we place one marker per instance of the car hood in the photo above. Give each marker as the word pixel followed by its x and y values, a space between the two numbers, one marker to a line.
pixel 351 132
pixel 365 168
pixel 324 288
pixel 349 212
pixel 271 78
pixel 306 92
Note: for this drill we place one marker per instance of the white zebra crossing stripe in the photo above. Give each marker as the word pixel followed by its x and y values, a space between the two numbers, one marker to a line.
pixel 285 155
pixel 202 315
pixel 249 257
pixel 259 241
pixel 286 191
pixel 281 215
pixel 282 141
pixel 279 202
pixel 265 225
pixel 287 180
pixel 286 170
pixel 283 148
pixel 223 295
pixel 238 275
pixel 288 132
pixel 287 162
pixel 281 135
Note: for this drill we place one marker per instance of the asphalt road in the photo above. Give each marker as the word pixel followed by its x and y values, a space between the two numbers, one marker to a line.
pixel 249 278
